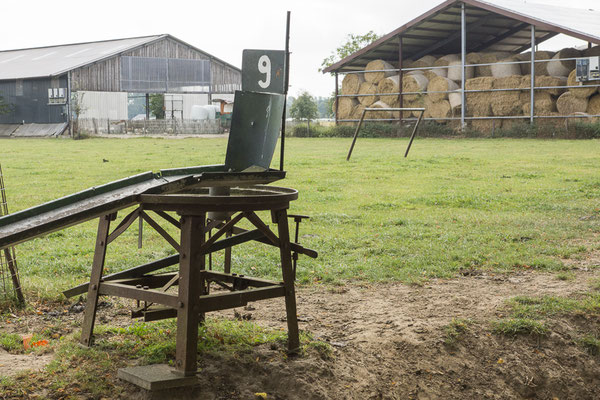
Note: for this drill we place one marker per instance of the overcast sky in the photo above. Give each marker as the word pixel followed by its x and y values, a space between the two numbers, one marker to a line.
pixel 225 28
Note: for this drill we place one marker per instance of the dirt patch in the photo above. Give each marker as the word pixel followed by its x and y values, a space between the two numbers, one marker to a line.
pixel 389 342
pixel 12 364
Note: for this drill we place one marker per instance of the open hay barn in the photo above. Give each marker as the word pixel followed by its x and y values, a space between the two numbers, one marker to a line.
pixel 477 63
pixel 47 87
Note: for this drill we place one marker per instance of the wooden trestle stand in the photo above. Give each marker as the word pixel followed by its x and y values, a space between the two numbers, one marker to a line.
pixel 193 297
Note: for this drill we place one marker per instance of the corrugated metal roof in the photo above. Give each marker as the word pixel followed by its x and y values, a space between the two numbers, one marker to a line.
pixel 498 25
pixel 56 60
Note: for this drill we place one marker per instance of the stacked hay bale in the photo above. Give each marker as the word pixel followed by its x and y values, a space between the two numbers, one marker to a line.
pixel 436 81
pixel 479 103
pixel 558 67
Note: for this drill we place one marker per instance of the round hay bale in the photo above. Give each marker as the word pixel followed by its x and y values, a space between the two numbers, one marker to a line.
pixel 593 107
pixel 396 114
pixel 455 100
pixel 357 112
pixel 444 61
pixel 367 88
pixel 568 104
pixel 488 58
pixel 473 58
pixel 541 68
pixel 346 107
pixel 592 52
pixel 584 92
pixel 377 65
pixel 562 68
pixel 391 84
pixel 378 114
pixel 547 81
pixel 432 73
pixel 423 62
pixel 455 71
pixel 544 103
pixel 440 84
pixel 440 109
pixel 414 83
pixel 504 70
pixel 351 83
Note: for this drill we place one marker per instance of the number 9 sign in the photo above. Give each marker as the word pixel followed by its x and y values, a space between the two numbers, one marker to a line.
pixel 263 71
pixel 264 66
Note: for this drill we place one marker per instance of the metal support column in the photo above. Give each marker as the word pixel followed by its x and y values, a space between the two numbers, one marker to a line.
pixel 532 90
pixel 336 99
pixel 400 75
pixel 147 107
pixel 286 85
pixel 463 49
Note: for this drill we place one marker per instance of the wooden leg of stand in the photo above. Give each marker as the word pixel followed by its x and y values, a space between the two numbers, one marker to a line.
pixel 89 318
pixel 288 280
pixel 227 263
pixel 190 288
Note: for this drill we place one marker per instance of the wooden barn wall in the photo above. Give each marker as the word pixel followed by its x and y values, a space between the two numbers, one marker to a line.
pixel 105 75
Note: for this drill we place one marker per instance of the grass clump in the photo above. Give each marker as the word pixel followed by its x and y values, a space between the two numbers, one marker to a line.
pixel 515 326
pixel 540 307
pixel 455 330
pixel 11 342
pixel 591 343
pixel 565 276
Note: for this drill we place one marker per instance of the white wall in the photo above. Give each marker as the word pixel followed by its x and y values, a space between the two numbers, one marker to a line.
pixel 103 105
pixel 174 101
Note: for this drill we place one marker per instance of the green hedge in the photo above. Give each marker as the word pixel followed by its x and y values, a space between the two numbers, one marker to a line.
pixel 576 130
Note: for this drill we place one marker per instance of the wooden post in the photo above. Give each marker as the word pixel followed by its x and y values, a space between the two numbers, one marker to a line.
pixel 336 99
pixel 91 304
pixel 191 286
pixel 288 280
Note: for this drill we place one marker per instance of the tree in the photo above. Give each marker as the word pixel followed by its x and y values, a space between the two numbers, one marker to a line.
pixel 352 45
pixel 5 108
pixel 157 105
pixel 304 108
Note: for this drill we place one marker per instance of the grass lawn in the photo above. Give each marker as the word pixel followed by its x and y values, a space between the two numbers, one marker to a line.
pixel 499 205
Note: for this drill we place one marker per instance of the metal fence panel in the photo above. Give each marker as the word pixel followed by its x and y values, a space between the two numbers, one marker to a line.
pixel 149 74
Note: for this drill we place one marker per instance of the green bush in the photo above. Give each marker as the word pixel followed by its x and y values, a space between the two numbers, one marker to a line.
pixel 431 129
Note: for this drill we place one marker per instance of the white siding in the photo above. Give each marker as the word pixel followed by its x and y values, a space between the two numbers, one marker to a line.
pixel 103 105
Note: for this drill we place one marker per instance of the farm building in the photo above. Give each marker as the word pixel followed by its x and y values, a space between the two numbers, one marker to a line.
pixel 47 88
pixel 474 63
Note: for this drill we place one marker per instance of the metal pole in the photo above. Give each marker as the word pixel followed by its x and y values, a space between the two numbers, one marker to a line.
pixel 285 88
pixel 336 98
pixel 147 107
pixel 531 90
pixel 463 40
pixel 401 75
pixel 69 108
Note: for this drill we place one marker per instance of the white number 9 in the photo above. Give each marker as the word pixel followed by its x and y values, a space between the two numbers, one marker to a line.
pixel 264 67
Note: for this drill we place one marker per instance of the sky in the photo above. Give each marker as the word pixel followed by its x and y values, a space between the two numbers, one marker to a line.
pixel 225 28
